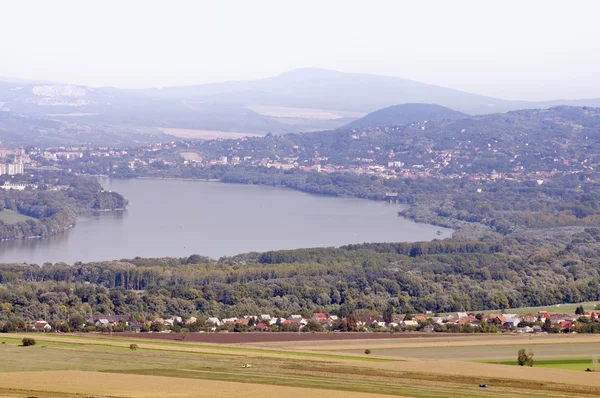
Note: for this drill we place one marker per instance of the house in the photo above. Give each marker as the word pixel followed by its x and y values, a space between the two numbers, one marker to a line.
pixel 410 322
pixel 543 315
pixel 190 320
pixel 173 320
pixel 565 325
pixel 526 329
pixel 372 321
pixel 461 314
pixel 420 318
pixel 42 325
pixel 295 316
pixel 109 320
pixel 529 318
pixel 591 314
pixel 320 317
pixel 214 320
pixel 136 326
pixel 537 329
pixel 262 327
pixel 512 320
pixel 265 317
pixel 429 328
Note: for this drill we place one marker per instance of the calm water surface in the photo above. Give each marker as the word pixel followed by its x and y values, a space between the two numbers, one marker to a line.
pixel 179 218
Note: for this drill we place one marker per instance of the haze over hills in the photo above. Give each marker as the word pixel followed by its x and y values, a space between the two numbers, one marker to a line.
pixel 299 100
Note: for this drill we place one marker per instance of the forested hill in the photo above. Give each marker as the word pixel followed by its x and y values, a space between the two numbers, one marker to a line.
pixel 525 141
pixel 405 114
pixel 52 205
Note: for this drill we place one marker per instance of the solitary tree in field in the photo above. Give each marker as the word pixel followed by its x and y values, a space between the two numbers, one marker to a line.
pixel 133 347
pixel 522 357
pixel 367 351
pixel 525 358
pixel 530 359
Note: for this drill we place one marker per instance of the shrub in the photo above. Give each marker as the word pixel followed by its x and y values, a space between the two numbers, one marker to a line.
pixel 28 341
pixel 133 347
pixel 367 351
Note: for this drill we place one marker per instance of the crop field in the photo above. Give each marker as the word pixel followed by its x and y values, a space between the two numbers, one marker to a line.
pixel 206 134
pixel 568 308
pixel 93 364
pixel 12 217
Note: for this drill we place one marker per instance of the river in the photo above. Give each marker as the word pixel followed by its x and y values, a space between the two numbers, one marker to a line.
pixel 178 218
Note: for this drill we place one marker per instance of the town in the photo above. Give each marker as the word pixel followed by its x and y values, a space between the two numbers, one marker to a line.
pixel 460 322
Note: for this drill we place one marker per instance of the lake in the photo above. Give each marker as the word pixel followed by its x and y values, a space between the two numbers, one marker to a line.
pixel 178 218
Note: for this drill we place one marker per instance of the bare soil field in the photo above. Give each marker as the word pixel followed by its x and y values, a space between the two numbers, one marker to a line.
pixel 206 134
pixel 439 340
pixel 129 385
pixel 303 113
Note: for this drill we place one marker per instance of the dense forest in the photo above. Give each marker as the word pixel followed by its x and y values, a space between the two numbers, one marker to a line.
pixel 438 276
pixel 51 211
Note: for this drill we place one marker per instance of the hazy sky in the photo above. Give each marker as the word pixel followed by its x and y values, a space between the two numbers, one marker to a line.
pixel 511 49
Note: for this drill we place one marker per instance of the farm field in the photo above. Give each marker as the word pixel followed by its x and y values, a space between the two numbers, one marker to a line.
pixel 206 134
pixel 78 365
pixel 551 309
pixel 303 113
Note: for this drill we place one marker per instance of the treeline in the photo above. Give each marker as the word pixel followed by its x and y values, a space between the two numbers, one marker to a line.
pixel 54 211
pixel 442 277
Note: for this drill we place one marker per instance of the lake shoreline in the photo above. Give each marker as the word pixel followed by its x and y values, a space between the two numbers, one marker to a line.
pixel 177 218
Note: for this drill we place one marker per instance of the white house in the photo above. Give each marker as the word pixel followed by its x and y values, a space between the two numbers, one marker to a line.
pixel 42 325
pixel 214 320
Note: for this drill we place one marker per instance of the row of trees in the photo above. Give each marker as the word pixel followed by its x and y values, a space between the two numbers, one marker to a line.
pixel 440 276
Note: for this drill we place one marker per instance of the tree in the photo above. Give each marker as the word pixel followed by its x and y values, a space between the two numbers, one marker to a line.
pixel 388 314
pixel 547 327
pixel 28 341
pixel 525 358
pixel 580 310
pixel 522 357
pixel 313 326
pixel 133 347
pixel 367 351
pixel 184 332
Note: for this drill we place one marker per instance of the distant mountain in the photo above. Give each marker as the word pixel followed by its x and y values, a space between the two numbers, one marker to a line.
pixel 299 100
pixel 325 89
pixel 405 114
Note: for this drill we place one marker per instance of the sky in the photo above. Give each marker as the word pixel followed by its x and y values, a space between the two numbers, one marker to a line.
pixel 526 50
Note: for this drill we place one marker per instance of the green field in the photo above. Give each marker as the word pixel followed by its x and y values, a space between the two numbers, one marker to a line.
pixel 560 363
pixel 12 217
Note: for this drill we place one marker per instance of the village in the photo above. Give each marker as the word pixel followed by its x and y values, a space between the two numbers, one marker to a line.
pixel 429 163
pixel 460 322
